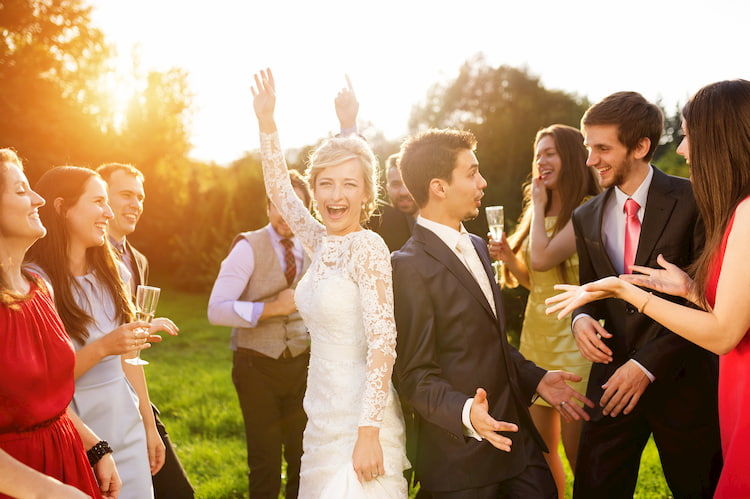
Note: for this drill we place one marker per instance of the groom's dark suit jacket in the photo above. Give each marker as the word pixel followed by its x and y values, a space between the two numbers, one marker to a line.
pixel 450 344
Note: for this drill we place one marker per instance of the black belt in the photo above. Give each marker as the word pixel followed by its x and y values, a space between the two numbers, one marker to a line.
pixel 286 354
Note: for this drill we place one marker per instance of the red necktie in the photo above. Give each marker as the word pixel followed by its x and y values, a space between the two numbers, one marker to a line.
pixel 290 263
pixel 632 233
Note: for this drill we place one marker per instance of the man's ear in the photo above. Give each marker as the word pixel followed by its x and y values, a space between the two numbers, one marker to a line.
pixel 641 149
pixel 438 188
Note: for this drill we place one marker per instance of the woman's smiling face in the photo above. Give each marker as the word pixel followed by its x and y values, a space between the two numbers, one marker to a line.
pixel 339 195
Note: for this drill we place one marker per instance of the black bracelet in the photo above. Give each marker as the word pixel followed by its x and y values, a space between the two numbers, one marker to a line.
pixel 98 451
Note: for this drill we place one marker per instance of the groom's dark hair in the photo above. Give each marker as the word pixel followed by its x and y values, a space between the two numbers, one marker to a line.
pixel 432 154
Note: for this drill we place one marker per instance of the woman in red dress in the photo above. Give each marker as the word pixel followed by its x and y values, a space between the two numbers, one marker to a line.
pixel 716 123
pixel 41 442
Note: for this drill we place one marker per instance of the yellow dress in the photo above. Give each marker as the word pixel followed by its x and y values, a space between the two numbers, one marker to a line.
pixel 545 340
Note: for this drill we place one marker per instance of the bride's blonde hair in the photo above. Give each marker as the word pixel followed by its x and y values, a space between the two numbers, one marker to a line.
pixel 337 150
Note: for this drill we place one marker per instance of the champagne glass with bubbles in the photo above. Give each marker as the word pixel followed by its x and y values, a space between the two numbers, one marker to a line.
pixel 496 223
pixel 146 298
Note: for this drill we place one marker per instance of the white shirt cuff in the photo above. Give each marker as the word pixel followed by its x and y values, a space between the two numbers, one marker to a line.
pixel 648 374
pixel 469 430
pixel 249 311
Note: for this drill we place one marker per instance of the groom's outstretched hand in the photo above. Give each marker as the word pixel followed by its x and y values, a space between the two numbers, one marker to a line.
pixel 486 425
pixel 554 389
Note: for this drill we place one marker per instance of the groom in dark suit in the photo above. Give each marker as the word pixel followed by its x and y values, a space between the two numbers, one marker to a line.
pixel 469 388
pixel 644 379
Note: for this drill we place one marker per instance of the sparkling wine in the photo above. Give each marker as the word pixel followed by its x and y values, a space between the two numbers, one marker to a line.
pixel 143 316
pixel 497 231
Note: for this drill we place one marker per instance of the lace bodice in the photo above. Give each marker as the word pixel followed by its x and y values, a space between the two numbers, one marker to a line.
pixel 343 267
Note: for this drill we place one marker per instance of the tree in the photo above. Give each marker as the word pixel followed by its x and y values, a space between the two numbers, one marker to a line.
pixel 665 156
pixel 50 61
pixel 504 107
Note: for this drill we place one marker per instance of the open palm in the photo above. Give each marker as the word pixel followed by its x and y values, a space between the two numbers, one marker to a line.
pixel 264 95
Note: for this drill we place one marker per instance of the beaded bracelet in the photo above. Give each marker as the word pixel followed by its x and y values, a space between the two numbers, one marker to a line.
pixel 98 451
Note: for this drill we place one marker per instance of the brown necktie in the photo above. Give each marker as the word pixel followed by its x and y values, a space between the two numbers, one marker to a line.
pixel 290 263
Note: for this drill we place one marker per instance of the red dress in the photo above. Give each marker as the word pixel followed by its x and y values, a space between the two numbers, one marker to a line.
pixel 36 386
pixel 734 401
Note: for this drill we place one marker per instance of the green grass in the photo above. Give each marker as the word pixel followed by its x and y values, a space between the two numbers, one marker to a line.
pixel 190 381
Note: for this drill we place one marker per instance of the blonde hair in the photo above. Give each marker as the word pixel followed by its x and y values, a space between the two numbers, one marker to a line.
pixel 338 150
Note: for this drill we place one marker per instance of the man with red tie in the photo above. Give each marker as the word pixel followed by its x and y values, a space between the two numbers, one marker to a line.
pixel 644 379
pixel 254 294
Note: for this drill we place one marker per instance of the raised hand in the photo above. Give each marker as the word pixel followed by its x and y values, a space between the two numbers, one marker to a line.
pixel 347 106
pixel 264 100
pixel 486 425
pixel 539 193
pixel 554 389
pixel 669 279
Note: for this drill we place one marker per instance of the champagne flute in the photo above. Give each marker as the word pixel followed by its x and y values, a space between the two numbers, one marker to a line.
pixel 146 298
pixel 496 223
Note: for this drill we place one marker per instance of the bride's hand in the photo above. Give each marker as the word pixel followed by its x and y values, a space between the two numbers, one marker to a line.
pixel 264 99
pixel 367 457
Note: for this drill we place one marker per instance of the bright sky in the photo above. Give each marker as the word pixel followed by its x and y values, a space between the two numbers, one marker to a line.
pixel 394 50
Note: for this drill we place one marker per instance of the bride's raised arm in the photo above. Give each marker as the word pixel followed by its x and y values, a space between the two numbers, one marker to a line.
pixel 275 174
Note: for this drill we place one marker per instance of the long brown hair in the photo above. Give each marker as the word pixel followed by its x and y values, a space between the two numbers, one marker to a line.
pixel 51 252
pixel 717 120
pixel 575 182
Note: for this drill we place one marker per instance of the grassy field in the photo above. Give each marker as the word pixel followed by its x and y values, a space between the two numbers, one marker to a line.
pixel 189 380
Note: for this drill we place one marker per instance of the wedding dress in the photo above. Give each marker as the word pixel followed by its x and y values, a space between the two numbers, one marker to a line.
pixel 346 302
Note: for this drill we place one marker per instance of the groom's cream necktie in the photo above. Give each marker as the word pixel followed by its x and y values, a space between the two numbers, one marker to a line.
pixel 474 264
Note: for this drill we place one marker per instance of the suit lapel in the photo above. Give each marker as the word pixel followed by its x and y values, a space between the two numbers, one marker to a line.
pixel 659 207
pixel 593 229
pixel 437 249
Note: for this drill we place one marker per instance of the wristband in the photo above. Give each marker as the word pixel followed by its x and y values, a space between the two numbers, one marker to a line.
pixel 98 451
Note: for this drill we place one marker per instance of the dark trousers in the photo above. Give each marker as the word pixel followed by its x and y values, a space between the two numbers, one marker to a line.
pixel 535 481
pixel 610 451
pixel 171 482
pixel 270 392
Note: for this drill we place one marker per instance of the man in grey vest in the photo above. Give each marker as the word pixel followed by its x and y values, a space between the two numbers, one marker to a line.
pixel 254 294
pixel 126 197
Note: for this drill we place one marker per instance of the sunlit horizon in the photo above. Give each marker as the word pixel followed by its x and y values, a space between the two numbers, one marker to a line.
pixel 395 51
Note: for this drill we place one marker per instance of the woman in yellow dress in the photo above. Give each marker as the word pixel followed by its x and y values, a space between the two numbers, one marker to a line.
pixel 540 253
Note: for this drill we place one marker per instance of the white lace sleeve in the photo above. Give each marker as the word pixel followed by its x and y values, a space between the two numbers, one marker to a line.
pixel 281 193
pixel 372 271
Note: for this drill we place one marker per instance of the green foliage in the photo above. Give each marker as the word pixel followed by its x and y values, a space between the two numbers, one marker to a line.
pixel 51 61
pixel 504 107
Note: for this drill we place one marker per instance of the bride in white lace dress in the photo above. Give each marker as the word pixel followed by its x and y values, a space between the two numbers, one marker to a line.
pixel 354 439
